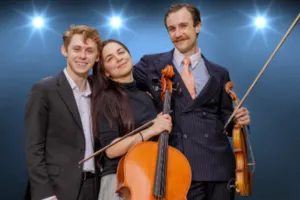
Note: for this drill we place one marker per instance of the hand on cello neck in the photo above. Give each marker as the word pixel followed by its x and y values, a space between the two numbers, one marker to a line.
pixel 162 122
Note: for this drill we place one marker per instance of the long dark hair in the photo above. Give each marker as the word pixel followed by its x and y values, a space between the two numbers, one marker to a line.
pixel 108 97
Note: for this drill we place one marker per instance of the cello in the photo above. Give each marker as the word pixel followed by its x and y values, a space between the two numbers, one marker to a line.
pixel 154 170
pixel 243 179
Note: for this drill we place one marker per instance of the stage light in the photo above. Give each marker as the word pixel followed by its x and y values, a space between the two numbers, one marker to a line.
pixel 38 22
pixel 260 22
pixel 115 22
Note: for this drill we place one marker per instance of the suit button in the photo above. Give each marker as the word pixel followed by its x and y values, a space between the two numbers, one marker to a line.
pixel 206 135
pixel 204 113
pixel 185 135
pixel 81 150
pixel 212 100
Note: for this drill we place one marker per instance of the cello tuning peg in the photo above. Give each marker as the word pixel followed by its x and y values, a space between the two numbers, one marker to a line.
pixel 156 80
pixel 156 88
pixel 176 85
pixel 176 88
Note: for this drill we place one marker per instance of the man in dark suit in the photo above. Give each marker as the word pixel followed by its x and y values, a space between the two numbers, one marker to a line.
pixel 58 124
pixel 200 112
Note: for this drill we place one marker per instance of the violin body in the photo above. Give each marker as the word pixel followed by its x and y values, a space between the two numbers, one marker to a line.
pixel 136 173
pixel 243 174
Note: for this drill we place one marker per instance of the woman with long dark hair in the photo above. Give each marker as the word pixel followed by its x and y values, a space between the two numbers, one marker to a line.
pixel 118 107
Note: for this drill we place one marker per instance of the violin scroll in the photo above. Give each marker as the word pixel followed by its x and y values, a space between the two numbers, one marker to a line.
pixel 228 88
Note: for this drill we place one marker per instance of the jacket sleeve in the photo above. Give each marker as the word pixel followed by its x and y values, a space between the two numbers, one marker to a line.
pixel 140 74
pixel 36 119
pixel 226 106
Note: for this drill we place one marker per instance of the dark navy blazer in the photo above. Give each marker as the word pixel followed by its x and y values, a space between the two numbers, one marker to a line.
pixel 198 124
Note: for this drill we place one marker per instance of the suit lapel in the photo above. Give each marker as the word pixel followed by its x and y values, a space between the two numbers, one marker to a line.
pixel 211 86
pixel 65 92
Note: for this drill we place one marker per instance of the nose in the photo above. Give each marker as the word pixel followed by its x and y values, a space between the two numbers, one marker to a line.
pixel 82 54
pixel 119 58
pixel 177 32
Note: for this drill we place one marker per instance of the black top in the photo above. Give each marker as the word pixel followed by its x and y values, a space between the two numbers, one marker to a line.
pixel 143 111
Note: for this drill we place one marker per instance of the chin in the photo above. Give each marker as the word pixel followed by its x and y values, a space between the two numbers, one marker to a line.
pixel 82 71
pixel 182 49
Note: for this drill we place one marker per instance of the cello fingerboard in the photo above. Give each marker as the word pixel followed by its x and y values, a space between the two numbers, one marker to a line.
pixel 162 157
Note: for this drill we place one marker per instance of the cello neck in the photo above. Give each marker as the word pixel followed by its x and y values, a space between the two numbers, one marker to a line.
pixel 162 157
pixel 167 103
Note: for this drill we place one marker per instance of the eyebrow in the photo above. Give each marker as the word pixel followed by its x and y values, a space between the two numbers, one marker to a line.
pixel 80 46
pixel 111 54
pixel 171 26
pixel 184 23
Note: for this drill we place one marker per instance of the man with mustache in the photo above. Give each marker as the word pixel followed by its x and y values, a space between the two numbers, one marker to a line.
pixel 200 112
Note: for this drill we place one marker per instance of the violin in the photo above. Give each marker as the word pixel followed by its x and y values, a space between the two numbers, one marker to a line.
pixel 154 170
pixel 243 182
pixel 241 144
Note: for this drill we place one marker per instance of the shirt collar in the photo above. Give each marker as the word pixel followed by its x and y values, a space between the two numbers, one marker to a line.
pixel 195 59
pixel 73 85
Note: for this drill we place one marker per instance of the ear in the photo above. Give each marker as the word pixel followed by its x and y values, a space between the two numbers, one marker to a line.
pixel 198 27
pixel 64 51
pixel 106 74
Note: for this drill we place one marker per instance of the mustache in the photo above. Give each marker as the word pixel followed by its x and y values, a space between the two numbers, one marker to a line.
pixel 178 39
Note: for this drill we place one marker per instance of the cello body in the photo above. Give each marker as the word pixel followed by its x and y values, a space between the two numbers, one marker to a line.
pixel 136 173
pixel 154 170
